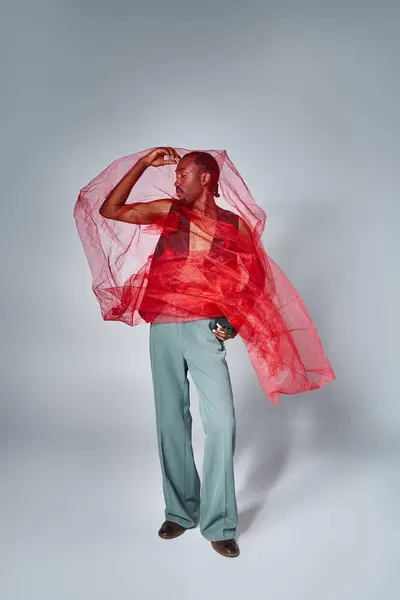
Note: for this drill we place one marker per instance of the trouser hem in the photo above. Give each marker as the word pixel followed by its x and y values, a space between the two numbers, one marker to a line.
pixel 184 522
pixel 219 538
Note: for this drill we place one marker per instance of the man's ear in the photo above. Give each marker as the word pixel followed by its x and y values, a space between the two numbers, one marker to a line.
pixel 205 178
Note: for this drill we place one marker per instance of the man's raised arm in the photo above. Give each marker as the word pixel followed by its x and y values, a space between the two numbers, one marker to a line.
pixel 141 213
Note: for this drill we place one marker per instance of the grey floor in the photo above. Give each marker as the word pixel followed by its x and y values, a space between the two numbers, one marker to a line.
pixel 81 499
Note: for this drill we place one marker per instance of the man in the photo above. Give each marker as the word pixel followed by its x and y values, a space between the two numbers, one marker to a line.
pixel 177 348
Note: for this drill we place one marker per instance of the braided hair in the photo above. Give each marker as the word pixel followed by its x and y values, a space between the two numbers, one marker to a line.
pixel 207 163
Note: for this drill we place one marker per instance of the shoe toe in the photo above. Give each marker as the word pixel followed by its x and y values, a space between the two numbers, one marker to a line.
pixel 227 548
pixel 170 530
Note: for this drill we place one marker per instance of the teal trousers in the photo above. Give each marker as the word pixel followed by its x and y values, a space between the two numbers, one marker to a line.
pixel 175 349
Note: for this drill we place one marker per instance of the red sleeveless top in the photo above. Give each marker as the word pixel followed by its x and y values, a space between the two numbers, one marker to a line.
pixel 171 256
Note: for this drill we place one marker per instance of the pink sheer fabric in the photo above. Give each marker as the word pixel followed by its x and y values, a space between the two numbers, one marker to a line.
pixel 184 266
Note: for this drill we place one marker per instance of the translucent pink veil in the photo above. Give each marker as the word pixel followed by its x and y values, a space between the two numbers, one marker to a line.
pixel 134 282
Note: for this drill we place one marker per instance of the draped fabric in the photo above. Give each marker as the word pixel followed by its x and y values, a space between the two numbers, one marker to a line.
pixel 184 265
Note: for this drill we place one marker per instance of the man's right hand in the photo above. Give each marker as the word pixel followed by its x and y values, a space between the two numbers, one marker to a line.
pixel 140 213
pixel 159 157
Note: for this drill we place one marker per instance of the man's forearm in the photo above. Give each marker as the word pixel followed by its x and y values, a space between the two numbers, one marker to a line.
pixel 119 195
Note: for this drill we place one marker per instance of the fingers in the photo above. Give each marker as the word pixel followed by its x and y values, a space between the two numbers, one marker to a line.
pixel 161 156
pixel 222 334
pixel 176 155
pixel 171 156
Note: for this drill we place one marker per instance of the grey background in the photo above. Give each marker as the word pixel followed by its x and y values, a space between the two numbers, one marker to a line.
pixel 304 96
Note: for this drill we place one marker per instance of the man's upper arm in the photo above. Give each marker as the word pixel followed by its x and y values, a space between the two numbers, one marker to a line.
pixel 142 213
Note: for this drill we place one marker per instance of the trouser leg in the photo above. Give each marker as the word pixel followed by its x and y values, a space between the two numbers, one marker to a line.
pixel 205 356
pixel 181 483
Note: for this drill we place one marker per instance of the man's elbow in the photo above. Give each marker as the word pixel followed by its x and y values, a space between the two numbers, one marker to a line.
pixel 104 213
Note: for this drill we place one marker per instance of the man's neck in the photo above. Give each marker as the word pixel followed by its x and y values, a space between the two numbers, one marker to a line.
pixel 204 206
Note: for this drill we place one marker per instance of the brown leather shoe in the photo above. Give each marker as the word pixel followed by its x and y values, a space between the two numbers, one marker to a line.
pixel 226 548
pixel 170 530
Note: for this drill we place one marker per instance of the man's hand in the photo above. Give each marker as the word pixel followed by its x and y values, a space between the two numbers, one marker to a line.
pixel 159 157
pixel 114 206
pixel 221 334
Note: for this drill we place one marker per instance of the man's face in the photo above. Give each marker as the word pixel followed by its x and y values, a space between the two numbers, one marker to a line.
pixel 188 180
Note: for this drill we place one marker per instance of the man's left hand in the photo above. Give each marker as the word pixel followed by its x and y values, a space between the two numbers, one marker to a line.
pixel 222 334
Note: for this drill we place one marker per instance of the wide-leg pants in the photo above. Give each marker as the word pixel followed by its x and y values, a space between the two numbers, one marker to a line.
pixel 175 349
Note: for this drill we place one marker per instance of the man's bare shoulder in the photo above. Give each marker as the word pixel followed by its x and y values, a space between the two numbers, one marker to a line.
pixel 242 225
pixel 244 228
